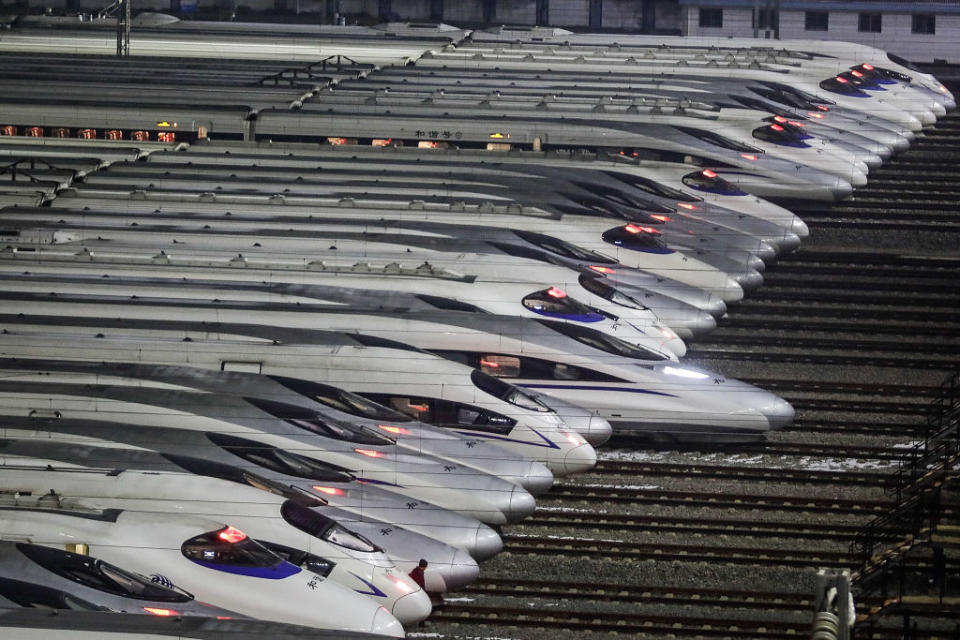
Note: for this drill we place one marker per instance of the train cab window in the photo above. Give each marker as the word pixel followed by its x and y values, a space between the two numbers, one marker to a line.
pixel 556 303
pixel 530 368
pixel 718 140
pixel 710 181
pixel 449 414
pixel 636 238
pixel 340 399
pixel 602 341
pixel 35 596
pixel 839 84
pixel 375 341
pixel 605 291
pixel 101 575
pixel 500 366
pixel 209 468
pixel 309 420
pixel 782 134
pixel 625 200
pixel 560 247
pixel 311 562
pixel 903 62
pixel 320 526
pixel 229 547
pixel 280 460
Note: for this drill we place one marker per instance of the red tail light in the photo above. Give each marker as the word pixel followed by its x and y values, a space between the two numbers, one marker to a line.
pixel 748 156
pixel 857 73
pixel 841 80
pixel 330 491
pixel 657 216
pixel 489 363
pixel 370 453
pixel 231 535
pixel 779 118
pixel 818 116
pixel 867 66
pixel 420 407
pixel 161 612
pixel 687 206
pixel 709 173
pixel 554 292
pixel 634 228
pixel 776 127
pixel 821 107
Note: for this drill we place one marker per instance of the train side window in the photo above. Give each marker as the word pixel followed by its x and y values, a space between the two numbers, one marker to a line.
pixel 500 366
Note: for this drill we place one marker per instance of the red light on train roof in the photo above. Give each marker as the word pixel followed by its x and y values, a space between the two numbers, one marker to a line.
pixel 708 173
pixel 156 611
pixel 599 269
pixel 231 535
pixel 818 116
pixel 330 491
pixel 856 73
pixel 748 156
pixel 779 118
pixel 554 292
pixel 867 66
pixel 396 430
pixel 841 80
pixel 370 453
pixel 687 206
pixel 822 107
pixel 657 216
pixel 777 127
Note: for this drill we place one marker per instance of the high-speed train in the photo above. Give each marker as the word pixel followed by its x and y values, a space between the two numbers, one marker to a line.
pixel 450 567
pixel 304 431
pixel 511 296
pixel 651 258
pixel 350 559
pixel 424 385
pixel 100 444
pixel 37 576
pixel 342 406
pixel 216 562
pixel 645 192
pixel 682 308
pixel 671 298
pixel 630 387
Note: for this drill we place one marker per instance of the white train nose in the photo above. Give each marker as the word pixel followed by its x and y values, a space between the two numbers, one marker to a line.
pixel 462 571
pixel 579 459
pixel 779 413
pixel 384 624
pixel 486 544
pixel 413 607
pixel 537 480
pixel 749 279
pixel 800 228
pixel 520 505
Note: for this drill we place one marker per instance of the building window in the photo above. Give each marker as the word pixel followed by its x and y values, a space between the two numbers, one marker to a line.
pixel 817 21
pixel 765 19
pixel 712 18
pixel 924 23
pixel 871 22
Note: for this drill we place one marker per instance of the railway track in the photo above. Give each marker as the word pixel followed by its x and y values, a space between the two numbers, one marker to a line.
pixel 738 472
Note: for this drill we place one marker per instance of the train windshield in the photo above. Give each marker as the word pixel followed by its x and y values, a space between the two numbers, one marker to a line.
pixel 718 140
pixel 556 303
pixel 101 576
pixel 320 526
pixel 310 420
pixel 280 460
pixel 230 550
pixel 602 341
pixel 709 180
pixel 199 466
pixel 341 400
pixel 309 561
pixel 447 413
pixel 782 134
pixel 636 238
pixel 841 85
pixel 507 392
pixel 560 247
pixel 598 287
